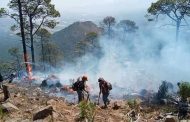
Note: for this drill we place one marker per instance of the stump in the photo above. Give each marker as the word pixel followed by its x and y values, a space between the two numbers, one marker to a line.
pixel 5 92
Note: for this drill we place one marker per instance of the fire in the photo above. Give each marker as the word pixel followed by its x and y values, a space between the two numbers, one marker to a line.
pixel 29 70
pixel 88 88
pixel 67 89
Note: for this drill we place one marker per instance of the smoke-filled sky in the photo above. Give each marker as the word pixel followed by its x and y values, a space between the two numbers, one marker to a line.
pixel 97 7
pixel 96 10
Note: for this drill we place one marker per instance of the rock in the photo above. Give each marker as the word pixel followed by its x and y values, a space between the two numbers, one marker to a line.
pixel 55 115
pixel 163 101
pixel 44 83
pixel 170 119
pixel 47 119
pixel 37 99
pixel 132 113
pixel 13 120
pixel 51 102
pixel 43 113
pixel 115 106
pixel 9 105
pixel 27 120
pixel 160 117
pixel 17 95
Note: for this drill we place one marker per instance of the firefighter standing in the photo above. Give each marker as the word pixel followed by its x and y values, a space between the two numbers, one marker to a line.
pixel 105 88
pixel 81 88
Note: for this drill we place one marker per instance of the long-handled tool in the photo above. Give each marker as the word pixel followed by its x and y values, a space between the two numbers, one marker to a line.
pixel 99 99
pixel 88 97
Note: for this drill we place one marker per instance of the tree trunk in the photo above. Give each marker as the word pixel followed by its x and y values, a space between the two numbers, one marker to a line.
pixel 49 54
pixel 109 30
pixel 43 55
pixel 23 36
pixel 178 23
pixel 32 42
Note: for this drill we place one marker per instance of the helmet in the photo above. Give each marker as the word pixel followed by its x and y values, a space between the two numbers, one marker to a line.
pixel 100 79
pixel 84 78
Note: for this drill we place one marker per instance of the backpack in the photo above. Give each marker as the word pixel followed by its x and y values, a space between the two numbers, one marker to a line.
pixel 109 86
pixel 75 85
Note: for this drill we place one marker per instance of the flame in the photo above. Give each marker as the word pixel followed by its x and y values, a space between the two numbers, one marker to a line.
pixel 29 68
pixel 88 88
pixel 68 89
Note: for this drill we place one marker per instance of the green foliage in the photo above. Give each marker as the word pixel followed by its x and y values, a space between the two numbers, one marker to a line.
pixel 176 10
pixel 107 24
pixel 170 8
pixel 37 14
pixel 16 59
pixel 2 12
pixel 87 110
pixel 128 26
pixel 109 21
pixel 92 36
pixel 163 90
pixel 14 51
pixel 2 113
pixel 131 103
pixel 52 53
pixel 169 109
pixel 89 45
pixel 184 90
pixel 5 68
pixel 43 33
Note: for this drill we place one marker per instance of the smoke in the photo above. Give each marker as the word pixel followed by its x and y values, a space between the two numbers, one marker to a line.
pixel 135 61
pixel 132 61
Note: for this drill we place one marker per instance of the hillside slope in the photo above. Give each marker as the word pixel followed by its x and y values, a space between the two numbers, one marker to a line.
pixel 68 37
pixel 28 104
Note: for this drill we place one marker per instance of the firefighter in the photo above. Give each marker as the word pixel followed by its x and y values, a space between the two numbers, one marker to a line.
pixel 105 88
pixel 80 87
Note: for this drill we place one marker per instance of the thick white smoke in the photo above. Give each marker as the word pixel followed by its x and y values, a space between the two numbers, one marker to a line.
pixel 135 61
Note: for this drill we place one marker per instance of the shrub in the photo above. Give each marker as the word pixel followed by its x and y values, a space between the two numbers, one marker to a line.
pixel 2 113
pixel 184 90
pixel 87 110
pixel 163 90
pixel 132 103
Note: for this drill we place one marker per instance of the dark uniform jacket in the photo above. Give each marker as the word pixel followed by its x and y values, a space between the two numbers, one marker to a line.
pixel 104 87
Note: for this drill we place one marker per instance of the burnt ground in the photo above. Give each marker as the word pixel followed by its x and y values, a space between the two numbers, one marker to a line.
pixel 25 103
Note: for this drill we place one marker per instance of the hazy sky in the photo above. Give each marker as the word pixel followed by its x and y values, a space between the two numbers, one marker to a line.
pixel 96 10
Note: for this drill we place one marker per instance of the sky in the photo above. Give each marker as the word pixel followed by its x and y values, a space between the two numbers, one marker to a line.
pixel 96 10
